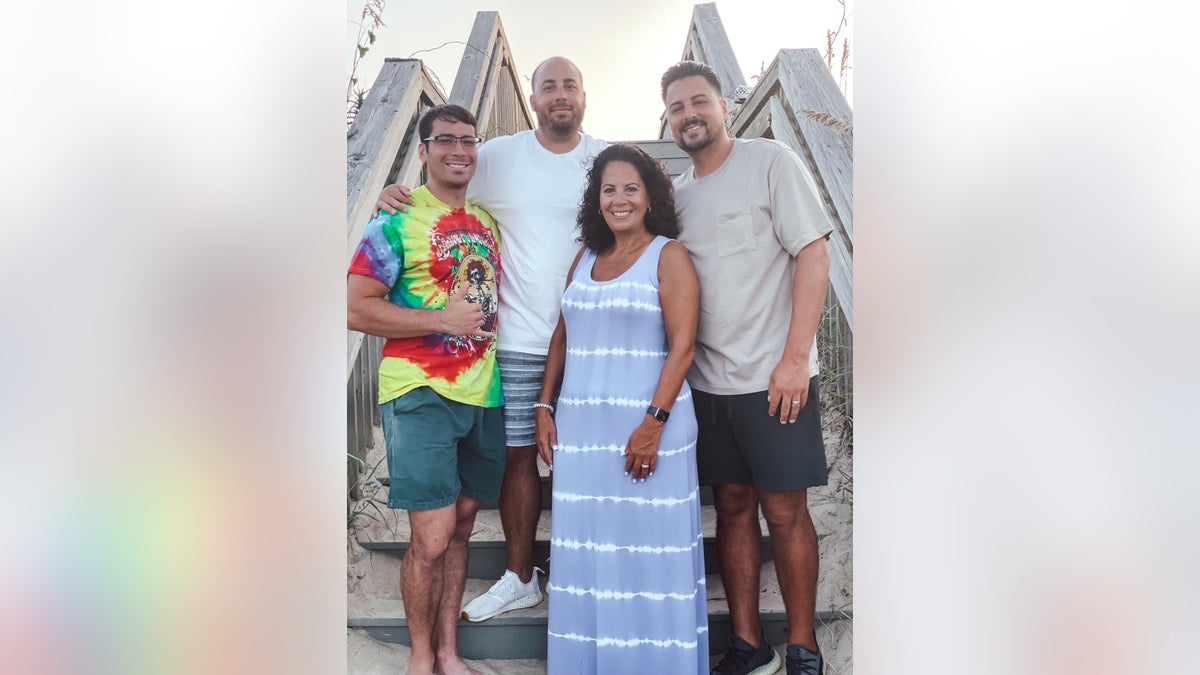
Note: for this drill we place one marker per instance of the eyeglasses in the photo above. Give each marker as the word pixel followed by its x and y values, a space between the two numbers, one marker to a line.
pixel 447 141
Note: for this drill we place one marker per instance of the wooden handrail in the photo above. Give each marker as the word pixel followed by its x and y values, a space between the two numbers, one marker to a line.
pixel 793 102
pixel 707 42
pixel 487 83
pixel 381 149
pixel 798 80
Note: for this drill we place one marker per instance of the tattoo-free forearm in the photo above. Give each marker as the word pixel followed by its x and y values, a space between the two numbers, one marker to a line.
pixel 809 281
pixel 378 316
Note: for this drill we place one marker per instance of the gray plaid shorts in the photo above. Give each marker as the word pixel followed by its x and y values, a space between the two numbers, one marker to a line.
pixel 521 378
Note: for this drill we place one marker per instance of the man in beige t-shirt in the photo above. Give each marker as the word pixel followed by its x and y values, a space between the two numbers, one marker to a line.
pixel 757 233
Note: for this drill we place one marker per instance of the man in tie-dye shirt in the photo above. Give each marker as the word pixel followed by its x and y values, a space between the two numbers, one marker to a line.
pixel 427 280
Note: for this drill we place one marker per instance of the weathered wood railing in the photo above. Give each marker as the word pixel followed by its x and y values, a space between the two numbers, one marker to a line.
pixel 798 80
pixel 487 83
pixel 792 94
pixel 793 102
pixel 380 149
pixel 707 43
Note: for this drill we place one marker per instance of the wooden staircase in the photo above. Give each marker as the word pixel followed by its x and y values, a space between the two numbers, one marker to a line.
pixel 381 147
pixel 522 634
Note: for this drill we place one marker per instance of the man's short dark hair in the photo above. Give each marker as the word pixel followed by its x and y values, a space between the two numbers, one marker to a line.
pixel 687 69
pixel 446 113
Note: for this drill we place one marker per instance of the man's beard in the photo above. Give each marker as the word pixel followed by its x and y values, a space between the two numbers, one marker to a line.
pixel 562 127
pixel 697 145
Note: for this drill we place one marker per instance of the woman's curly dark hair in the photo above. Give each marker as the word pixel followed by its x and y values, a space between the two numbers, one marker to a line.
pixel 593 231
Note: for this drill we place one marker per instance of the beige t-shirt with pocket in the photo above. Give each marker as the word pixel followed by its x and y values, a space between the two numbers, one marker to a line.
pixel 744 224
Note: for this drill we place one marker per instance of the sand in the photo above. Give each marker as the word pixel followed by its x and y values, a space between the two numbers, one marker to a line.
pixel 373 578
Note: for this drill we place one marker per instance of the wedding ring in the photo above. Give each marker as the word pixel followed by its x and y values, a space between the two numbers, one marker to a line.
pixel 645 466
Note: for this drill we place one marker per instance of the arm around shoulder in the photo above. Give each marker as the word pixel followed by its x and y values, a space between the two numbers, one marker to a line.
pixel 393 198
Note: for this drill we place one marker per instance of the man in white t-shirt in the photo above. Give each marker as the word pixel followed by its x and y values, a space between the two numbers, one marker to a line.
pixel 750 216
pixel 531 183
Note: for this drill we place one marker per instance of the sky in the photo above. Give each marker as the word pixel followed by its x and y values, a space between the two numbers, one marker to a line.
pixel 622 47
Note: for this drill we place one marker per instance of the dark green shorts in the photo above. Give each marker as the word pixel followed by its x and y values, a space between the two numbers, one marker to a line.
pixel 738 442
pixel 438 449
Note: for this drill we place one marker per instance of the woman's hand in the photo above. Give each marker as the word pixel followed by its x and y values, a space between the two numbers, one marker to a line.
pixel 547 436
pixel 641 452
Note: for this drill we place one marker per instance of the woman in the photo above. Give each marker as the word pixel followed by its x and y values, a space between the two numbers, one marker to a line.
pixel 627 560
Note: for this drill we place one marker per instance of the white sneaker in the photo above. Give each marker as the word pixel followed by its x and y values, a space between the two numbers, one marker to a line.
pixel 505 595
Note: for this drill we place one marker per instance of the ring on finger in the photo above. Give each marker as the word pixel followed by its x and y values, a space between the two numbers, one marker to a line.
pixel 645 466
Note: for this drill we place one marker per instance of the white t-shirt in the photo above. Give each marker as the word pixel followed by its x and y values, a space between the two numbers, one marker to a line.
pixel 744 224
pixel 534 196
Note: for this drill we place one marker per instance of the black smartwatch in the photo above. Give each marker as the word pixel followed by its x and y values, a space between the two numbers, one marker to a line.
pixel 658 413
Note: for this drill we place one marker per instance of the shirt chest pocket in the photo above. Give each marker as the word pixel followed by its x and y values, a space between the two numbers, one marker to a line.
pixel 738 232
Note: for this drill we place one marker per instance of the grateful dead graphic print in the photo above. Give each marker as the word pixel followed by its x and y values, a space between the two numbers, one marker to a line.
pixel 426 256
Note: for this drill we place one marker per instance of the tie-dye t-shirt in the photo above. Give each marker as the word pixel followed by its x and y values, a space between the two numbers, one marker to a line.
pixel 424 255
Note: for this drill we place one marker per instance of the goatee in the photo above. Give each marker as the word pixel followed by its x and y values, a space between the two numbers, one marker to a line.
pixel 697 145
pixel 564 128
pixel 557 125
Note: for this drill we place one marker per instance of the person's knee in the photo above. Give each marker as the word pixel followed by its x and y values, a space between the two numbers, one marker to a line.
pixel 429 544
pixel 735 502
pixel 785 510
pixel 520 456
pixel 465 512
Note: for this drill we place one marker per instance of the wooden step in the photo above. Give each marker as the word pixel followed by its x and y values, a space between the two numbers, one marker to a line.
pixel 487 559
pixel 521 634
pixel 706 495
pixel 487 553
pixel 376 609
pixel 525 637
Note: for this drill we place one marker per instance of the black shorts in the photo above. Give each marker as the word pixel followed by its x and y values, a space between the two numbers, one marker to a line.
pixel 738 442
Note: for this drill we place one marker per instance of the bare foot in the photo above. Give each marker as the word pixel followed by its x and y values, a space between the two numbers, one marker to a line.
pixel 419 667
pixel 453 665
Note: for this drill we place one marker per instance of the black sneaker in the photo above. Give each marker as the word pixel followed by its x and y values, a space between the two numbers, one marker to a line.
pixel 800 661
pixel 742 659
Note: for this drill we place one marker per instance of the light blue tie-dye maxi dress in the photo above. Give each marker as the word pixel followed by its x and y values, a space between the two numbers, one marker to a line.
pixel 627 590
